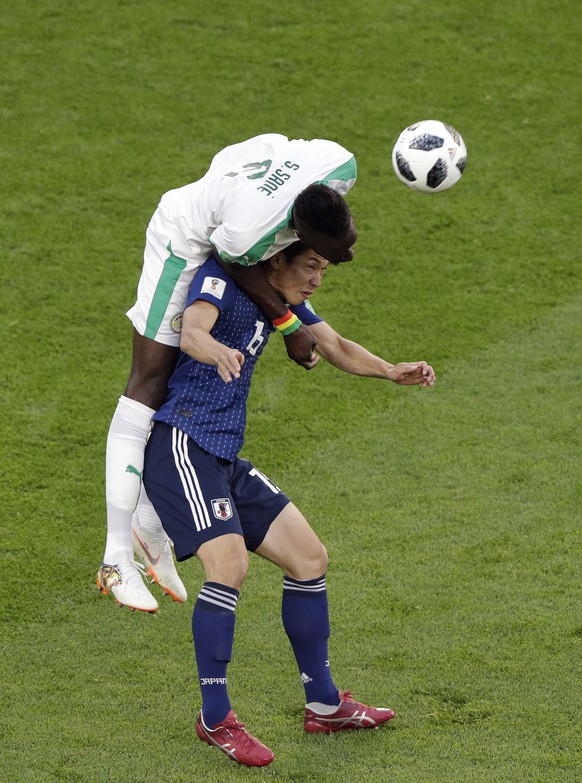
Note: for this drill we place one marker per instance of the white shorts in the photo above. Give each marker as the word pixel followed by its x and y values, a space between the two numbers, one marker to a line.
pixel 168 269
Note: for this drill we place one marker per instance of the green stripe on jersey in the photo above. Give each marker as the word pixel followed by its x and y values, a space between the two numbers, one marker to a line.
pixel 346 172
pixel 173 268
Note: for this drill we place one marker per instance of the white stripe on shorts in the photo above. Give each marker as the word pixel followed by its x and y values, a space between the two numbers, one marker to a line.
pixel 189 479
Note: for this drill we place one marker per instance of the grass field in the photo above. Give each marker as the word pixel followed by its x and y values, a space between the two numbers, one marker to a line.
pixel 451 515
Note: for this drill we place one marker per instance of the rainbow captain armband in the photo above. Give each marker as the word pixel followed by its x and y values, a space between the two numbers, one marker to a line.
pixel 287 324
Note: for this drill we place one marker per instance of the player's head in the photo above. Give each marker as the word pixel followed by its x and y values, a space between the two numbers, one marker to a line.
pixel 296 272
pixel 323 221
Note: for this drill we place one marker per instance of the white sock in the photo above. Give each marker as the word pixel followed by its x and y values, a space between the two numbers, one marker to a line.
pixel 147 517
pixel 126 441
pixel 322 709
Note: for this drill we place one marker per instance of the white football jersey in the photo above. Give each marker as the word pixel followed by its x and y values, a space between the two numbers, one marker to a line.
pixel 242 205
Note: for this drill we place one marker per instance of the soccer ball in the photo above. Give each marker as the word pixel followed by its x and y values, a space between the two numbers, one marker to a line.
pixel 429 156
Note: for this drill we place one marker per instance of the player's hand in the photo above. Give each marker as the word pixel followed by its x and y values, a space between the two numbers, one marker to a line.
pixel 300 345
pixel 229 363
pixel 413 374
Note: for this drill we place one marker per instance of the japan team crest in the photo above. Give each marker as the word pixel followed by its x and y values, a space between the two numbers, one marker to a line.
pixel 221 508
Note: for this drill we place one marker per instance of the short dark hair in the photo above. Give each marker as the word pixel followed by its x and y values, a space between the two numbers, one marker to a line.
pixel 324 210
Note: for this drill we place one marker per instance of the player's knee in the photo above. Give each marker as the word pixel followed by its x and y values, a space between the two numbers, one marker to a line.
pixel 225 561
pixel 151 367
pixel 321 560
pixel 313 564
pixel 150 390
pixel 238 568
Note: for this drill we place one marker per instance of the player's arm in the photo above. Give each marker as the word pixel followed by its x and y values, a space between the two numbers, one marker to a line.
pixel 352 357
pixel 197 342
pixel 254 283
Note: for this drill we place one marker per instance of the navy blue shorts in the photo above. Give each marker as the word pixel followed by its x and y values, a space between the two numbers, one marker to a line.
pixel 199 496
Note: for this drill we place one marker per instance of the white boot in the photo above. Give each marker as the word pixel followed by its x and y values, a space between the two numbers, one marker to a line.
pixel 155 550
pixel 125 581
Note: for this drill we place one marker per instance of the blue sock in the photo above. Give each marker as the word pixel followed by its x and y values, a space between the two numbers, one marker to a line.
pixel 306 622
pixel 213 632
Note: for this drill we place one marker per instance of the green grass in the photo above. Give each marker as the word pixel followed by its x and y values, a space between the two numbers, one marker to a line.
pixel 451 515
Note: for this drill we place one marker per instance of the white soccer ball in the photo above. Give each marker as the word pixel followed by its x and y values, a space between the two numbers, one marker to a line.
pixel 429 156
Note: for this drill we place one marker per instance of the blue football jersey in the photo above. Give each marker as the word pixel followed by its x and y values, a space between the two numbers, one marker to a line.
pixel 199 402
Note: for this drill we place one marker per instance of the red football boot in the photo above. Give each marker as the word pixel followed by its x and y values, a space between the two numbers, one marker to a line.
pixel 349 715
pixel 231 737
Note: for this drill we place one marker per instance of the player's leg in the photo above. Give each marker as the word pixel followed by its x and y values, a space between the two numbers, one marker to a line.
pixel 225 562
pixel 291 544
pixel 275 529
pixel 154 549
pixel 156 317
pixel 183 483
pixel 152 363
pixel 152 366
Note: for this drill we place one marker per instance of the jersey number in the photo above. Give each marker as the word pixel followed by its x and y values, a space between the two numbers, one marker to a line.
pixel 265 480
pixel 258 338
pixel 260 168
